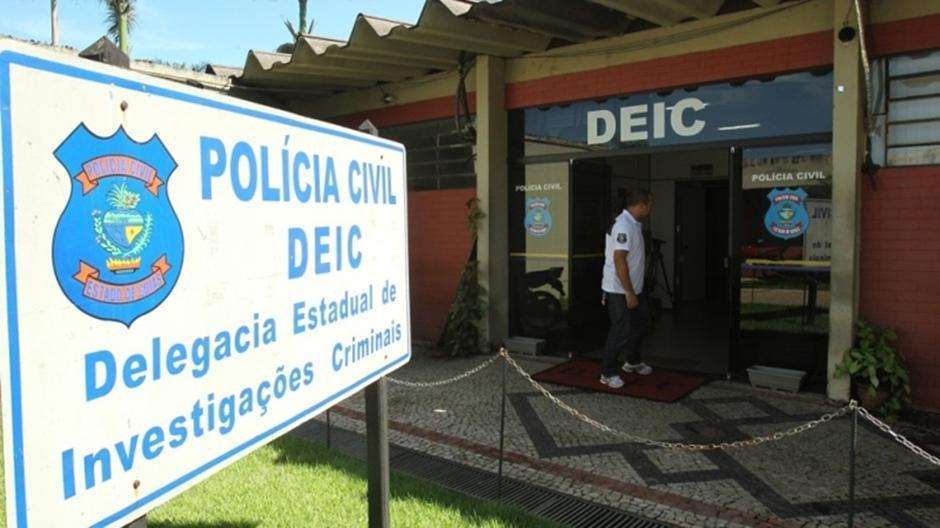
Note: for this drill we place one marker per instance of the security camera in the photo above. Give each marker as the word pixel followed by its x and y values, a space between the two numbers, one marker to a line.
pixel 847 34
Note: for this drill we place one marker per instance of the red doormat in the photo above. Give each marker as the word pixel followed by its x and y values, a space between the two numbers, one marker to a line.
pixel 661 386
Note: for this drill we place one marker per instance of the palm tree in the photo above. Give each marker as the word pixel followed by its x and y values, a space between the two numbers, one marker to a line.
pixel 54 18
pixel 295 34
pixel 121 18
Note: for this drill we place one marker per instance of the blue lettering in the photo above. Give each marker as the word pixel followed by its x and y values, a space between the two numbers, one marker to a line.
pixel 355 257
pixel 211 169
pixel 241 339
pixel 243 150
pixel 135 365
pixel 68 473
pixel 200 354
pixel 337 362
pixel 320 248
pixel 354 170
pixel 126 454
pixel 303 193
pixel 153 440
pixel 175 359
pixel 268 193
pixel 93 388
pixel 104 457
pixel 330 188
pixel 298 317
pixel 296 252
pixel 177 431
pixel 227 414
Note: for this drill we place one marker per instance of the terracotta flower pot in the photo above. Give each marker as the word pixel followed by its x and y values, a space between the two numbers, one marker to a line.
pixel 872 403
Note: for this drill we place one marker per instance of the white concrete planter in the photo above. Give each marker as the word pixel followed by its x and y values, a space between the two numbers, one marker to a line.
pixel 525 345
pixel 776 378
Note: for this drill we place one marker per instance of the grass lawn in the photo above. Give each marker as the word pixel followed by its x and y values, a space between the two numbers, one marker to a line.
pixel 295 483
pixel 783 323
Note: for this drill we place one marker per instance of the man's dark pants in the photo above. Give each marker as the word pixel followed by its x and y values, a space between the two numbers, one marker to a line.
pixel 627 330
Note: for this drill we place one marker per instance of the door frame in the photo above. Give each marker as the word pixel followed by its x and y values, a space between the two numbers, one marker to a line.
pixel 735 150
pixel 733 260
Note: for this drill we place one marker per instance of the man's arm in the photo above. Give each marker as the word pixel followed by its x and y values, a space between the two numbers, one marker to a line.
pixel 623 273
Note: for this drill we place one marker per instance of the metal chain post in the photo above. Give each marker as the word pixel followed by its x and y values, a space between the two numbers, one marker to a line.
pixel 853 448
pixel 329 430
pixel 502 434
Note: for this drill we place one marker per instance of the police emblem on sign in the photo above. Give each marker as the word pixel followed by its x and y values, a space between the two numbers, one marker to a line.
pixel 118 246
pixel 538 221
pixel 787 216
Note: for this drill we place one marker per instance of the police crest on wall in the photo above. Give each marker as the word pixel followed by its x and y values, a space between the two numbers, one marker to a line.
pixel 118 245
pixel 538 219
pixel 787 216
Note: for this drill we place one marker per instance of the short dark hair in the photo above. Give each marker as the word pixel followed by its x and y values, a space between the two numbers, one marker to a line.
pixel 635 197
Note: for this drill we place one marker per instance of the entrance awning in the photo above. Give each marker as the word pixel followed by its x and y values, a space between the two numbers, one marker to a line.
pixel 383 51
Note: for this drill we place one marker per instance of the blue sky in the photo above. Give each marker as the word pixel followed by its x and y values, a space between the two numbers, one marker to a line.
pixel 197 31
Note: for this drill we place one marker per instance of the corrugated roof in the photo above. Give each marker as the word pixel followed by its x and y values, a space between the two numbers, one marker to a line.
pixel 223 71
pixel 380 50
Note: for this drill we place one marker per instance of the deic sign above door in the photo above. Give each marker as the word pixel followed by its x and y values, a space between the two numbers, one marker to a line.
pixel 788 105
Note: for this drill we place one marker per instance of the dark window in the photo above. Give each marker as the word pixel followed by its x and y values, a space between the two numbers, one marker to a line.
pixel 912 119
pixel 439 156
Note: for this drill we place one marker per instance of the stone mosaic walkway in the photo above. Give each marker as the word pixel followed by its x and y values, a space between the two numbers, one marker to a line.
pixel 797 482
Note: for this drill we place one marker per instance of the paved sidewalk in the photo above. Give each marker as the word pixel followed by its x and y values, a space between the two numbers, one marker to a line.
pixel 796 482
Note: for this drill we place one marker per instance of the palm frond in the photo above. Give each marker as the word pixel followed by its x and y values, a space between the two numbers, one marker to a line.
pixel 115 10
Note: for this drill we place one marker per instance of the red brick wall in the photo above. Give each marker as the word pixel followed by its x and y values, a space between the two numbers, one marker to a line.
pixel 439 244
pixel 900 269
pixel 437 108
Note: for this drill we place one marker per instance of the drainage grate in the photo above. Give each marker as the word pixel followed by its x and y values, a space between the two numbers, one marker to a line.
pixel 541 502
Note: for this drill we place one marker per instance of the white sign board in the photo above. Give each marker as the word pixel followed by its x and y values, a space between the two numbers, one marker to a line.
pixel 187 277
pixel 817 243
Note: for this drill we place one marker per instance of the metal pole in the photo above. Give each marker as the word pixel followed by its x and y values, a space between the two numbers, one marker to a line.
pixel 328 430
pixel 377 449
pixel 502 434
pixel 853 447
pixel 139 523
pixel 53 5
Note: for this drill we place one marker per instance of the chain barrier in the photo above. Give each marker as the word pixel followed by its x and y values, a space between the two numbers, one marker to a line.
pixel 429 384
pixel 676 446
pixel 898 437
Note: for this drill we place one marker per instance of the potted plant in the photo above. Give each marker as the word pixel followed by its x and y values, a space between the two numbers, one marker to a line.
pixel 877 370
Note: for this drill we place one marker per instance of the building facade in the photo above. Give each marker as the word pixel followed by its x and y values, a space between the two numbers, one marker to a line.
pixel 794 162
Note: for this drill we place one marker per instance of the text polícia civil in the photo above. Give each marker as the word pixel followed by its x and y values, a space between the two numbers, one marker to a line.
pixel 252 173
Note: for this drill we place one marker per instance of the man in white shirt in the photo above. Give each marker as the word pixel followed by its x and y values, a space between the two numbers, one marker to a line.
pixel 624 271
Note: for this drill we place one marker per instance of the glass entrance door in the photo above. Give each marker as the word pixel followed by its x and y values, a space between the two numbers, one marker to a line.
pixel 540 252
pixel 782 209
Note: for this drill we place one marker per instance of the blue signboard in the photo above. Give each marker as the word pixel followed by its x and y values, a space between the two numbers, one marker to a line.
pixel 788 105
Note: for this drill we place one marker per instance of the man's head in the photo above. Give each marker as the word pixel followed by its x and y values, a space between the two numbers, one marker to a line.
pixel 638 202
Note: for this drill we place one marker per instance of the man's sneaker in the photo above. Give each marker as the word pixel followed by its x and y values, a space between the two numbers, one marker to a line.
pixel 641 368
pixel 614 382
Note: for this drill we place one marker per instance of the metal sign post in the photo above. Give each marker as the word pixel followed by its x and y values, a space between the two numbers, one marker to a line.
pixel 377 431
pixel 377 452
